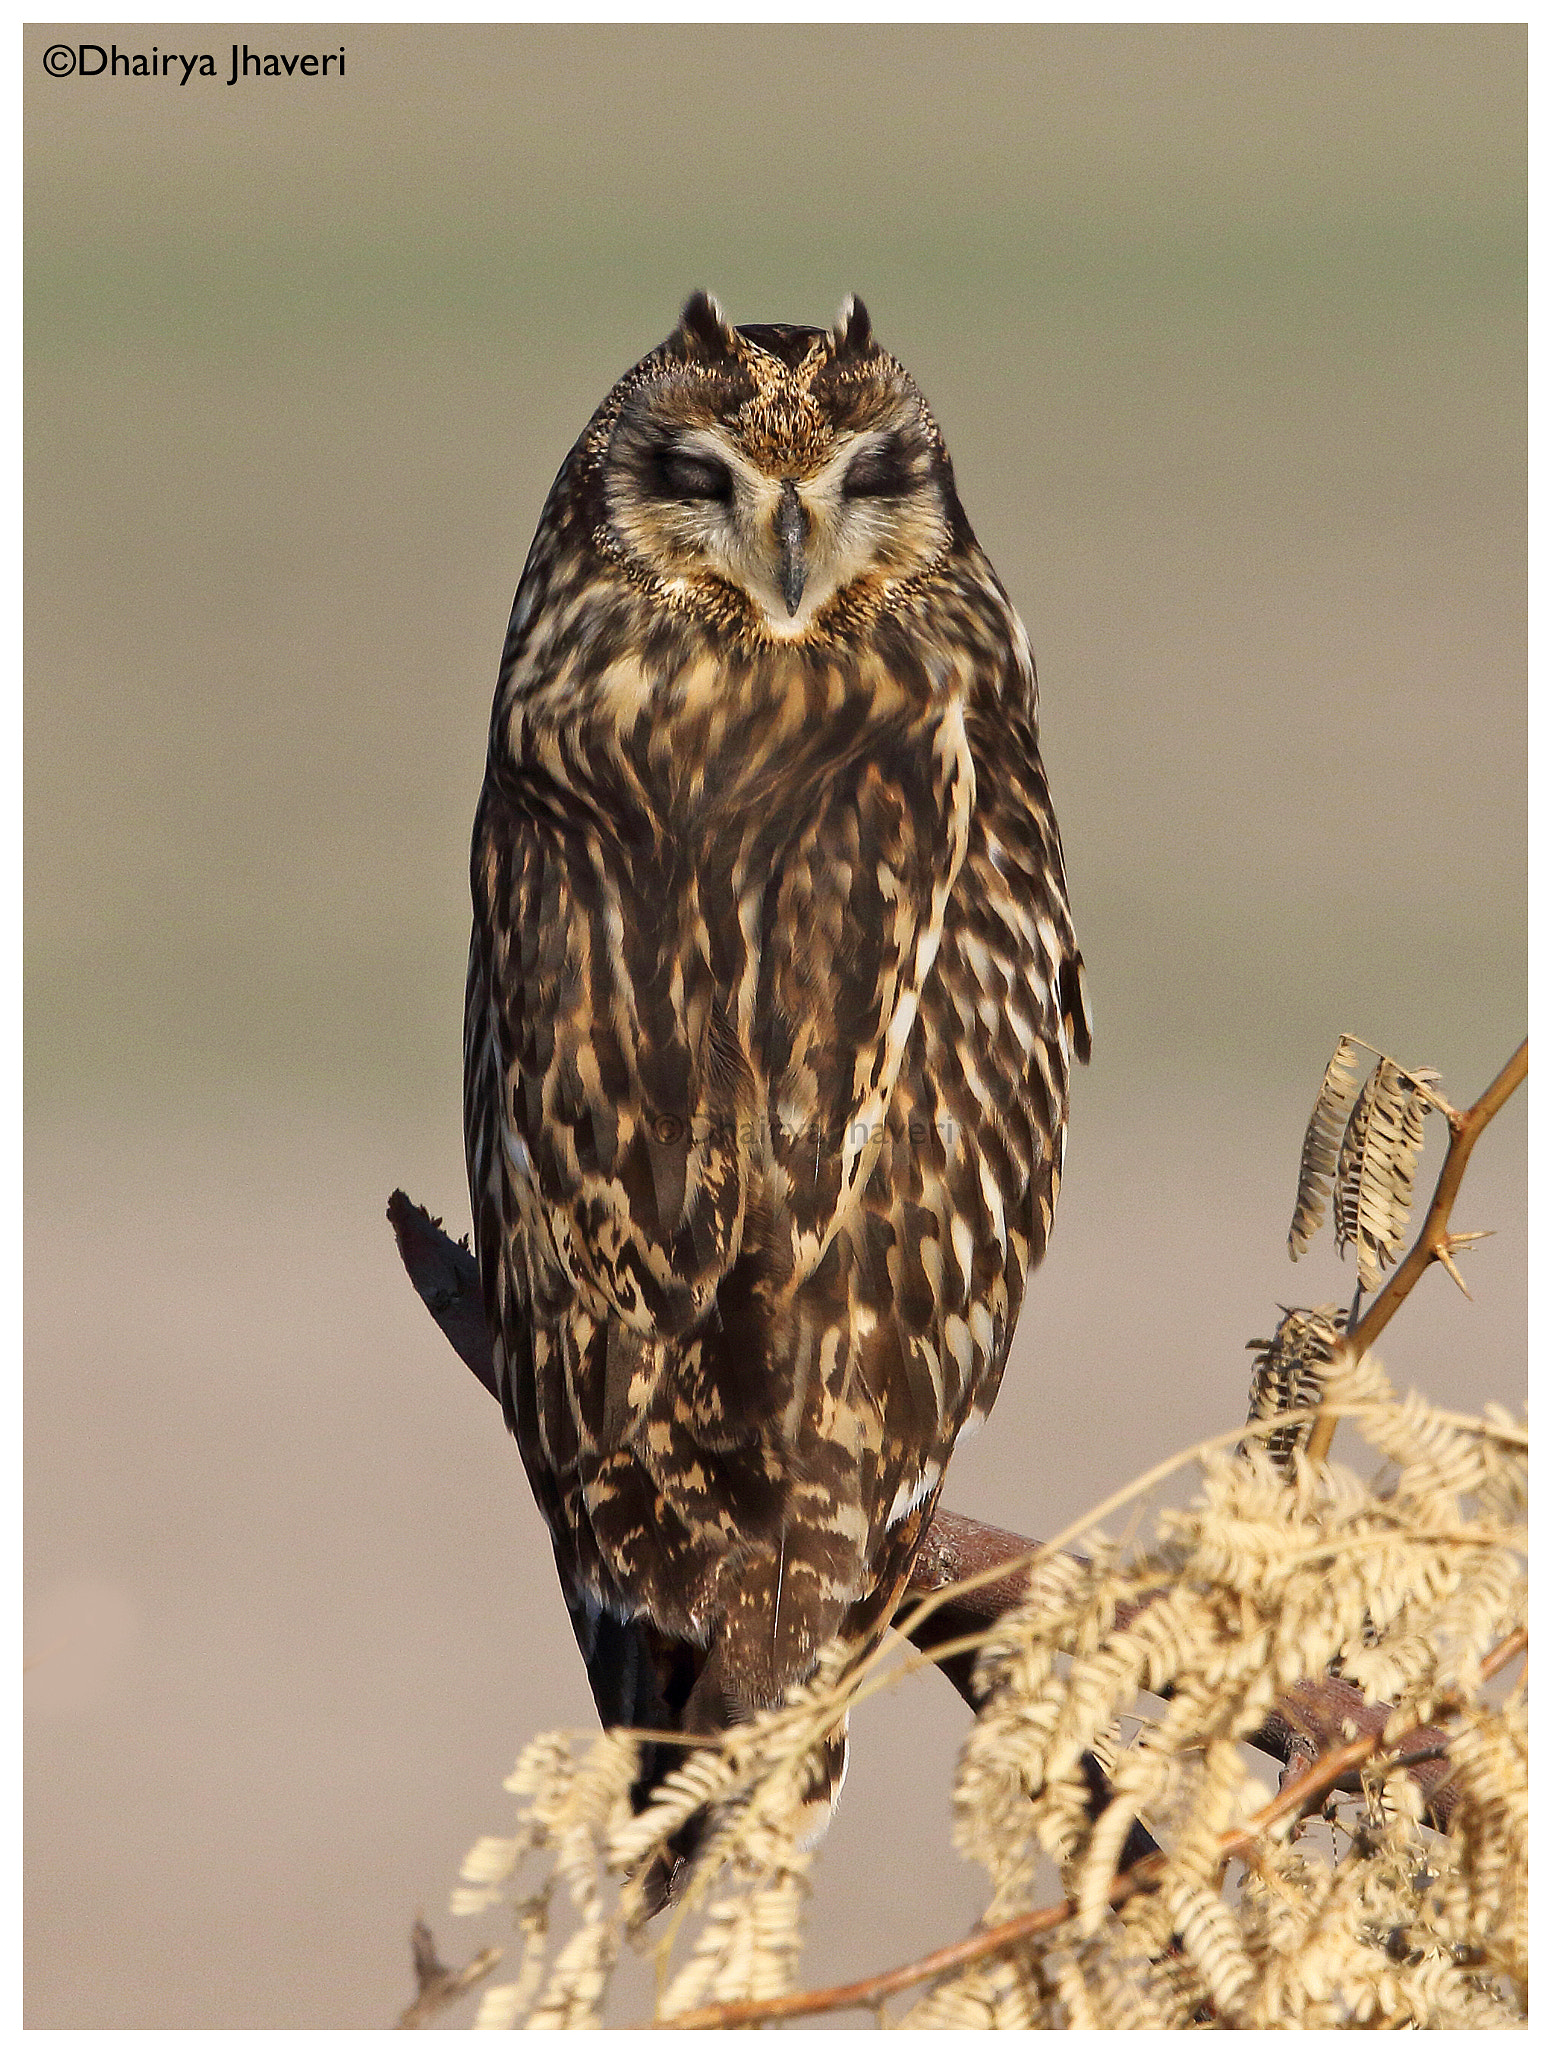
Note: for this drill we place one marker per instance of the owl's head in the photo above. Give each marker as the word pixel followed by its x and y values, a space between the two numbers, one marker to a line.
pixel 780 471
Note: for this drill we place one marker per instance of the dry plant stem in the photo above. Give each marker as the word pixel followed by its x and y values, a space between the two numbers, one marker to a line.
pixel 1433 1242
pixel 966 1574
pixel 1293 1799
pixel 438 1985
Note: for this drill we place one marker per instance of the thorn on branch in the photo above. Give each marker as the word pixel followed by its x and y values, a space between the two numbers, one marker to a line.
pixel 1433 1241
pixel 1453 1271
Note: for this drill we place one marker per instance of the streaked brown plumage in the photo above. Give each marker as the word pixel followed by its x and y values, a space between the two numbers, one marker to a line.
pixel 772 997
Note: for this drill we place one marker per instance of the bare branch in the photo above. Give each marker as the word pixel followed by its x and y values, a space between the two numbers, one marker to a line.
pixel 446 1278
pixel 438 1985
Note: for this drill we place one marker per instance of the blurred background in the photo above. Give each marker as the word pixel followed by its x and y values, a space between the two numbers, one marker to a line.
pixel 1225 328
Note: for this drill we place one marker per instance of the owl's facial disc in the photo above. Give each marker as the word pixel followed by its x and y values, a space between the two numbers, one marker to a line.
pixel 701 510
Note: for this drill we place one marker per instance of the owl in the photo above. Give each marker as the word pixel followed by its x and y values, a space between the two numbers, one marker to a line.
pixel 772 1002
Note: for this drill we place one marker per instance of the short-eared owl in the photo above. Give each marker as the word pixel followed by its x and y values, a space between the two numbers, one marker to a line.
pixel 772 999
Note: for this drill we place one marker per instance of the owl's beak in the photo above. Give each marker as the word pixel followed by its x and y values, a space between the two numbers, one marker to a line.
pixel 791 532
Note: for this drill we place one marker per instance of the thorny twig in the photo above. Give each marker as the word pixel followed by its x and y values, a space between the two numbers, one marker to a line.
pixel 1434 1241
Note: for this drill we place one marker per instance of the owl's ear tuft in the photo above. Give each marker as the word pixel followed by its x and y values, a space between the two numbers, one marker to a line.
pixel 851 334
pixel 704 327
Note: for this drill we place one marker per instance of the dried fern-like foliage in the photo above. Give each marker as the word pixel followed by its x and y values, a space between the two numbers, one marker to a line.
pixel 1362 1146
pixel 747 1886
pixel 1363 1915
pixel 1322 1145
pixel 1369 1919
pixel 1292 1370
pixel 1376 1168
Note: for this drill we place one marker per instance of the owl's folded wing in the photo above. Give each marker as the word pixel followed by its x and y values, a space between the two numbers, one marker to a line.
pixel 673 1060
pixel 850 928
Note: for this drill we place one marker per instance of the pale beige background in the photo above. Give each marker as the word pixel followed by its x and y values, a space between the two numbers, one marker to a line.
pixel 1225 328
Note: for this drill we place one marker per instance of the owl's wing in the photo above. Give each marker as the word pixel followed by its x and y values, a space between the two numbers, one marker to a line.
pixel 606 1070
pixel 982 1104
pixel 667 1026
pixel 850 926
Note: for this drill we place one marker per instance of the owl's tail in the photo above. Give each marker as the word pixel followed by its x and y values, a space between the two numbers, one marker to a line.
pixel 668 1870
pixel 641 1678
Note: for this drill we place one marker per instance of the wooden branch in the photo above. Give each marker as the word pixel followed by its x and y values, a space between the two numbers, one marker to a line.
pixel 1434 1242
pixel 1293 1799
